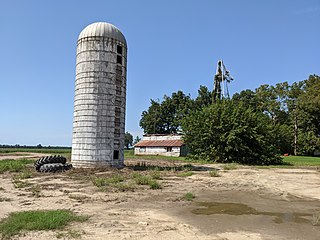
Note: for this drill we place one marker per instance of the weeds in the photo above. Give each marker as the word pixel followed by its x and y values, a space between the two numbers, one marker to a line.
pixel 155 174
pixel 214 173
pixel 37 220
pixel 125 187
pixel 23 175
pixel 230 166
pixel 189 196
pixel 14 165
pixel 102 182
pixel 17 183
pixel 146 180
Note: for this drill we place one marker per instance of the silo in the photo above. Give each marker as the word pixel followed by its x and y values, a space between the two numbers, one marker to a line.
pixel 100 97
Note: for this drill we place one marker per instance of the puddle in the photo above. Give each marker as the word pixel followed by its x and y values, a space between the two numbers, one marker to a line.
pixel 210 208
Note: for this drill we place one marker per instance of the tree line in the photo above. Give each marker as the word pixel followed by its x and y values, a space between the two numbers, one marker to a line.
pixel 251 127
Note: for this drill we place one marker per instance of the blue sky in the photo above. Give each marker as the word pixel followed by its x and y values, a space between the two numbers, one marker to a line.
pixel 172 45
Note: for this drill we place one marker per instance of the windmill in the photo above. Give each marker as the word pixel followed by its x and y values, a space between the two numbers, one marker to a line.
pixel 221 80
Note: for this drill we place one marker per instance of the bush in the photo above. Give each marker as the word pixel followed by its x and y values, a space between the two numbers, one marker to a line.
pixel 189 196
pixel 229 132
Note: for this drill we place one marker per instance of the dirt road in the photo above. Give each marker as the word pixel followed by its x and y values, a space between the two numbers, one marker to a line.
pixel 245 203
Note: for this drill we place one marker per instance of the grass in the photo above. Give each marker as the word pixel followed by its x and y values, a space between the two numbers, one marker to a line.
pixel 146 180
pixel 14 165
pixel 123 184
pixel 39 220
pixel 214 173
pixel 301 161
pixel 23 175
pixel 230 166
pixel 129 154
pixel 155 174
pixel 185 174
pixel 189 196
pixel 36 150
pixel 102 181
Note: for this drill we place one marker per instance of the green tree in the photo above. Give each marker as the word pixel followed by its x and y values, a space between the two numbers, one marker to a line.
pixel 308 120
pixel 136 140
pixel 166 117
pixel 229 131
pixel 204 98
pixel 128 140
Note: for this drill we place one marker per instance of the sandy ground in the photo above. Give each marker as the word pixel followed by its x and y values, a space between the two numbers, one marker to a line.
pixel 245 203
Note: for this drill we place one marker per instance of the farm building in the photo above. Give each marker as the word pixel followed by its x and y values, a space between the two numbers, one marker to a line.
pixel 161 144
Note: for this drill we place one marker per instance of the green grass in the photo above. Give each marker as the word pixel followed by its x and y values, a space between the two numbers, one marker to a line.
pixel 156 174
pixel 14 165
pixel 188 196
pixel 146 180
pixel 39 220
pixel 185 174
pixel 301 161
pixel 230 166
pixel 129 154
pixel 36 150
pixel 103 181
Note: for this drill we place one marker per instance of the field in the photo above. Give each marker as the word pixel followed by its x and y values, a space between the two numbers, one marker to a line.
pixel 159 198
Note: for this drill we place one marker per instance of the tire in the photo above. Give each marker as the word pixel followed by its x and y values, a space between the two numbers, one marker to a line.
pixel 55 167
pixel 49 159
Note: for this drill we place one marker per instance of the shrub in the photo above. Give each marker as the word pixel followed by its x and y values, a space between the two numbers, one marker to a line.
pixel 214 173
pixel 230 132
pixel 189 196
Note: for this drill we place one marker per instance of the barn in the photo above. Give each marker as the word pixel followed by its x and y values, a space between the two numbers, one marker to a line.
pixel 161 144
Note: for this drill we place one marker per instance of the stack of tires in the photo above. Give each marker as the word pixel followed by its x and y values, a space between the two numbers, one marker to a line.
pixel 54 163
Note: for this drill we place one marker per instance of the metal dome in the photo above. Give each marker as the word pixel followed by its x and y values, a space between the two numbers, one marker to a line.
pixel 102 29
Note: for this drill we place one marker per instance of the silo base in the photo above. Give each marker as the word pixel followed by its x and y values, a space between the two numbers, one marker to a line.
pixel 98 164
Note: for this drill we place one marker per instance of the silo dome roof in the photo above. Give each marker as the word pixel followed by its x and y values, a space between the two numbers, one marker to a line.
pixel 102 29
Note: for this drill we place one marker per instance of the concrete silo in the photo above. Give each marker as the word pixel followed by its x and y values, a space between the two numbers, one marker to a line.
pixel 100 97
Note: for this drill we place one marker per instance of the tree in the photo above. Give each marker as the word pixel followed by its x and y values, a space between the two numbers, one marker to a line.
pixel 166 117
pixel 128 139
pixel 247 97
pixel 204 98
pixel 136 140
pixel 308 116
pixel 229 131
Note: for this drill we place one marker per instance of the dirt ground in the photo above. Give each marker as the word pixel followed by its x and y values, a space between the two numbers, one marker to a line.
pixel 244 203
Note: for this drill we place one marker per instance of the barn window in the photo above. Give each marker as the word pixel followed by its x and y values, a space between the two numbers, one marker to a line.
pixel 169 149
pixel 119 49
pixel 142 149
pixel 116 154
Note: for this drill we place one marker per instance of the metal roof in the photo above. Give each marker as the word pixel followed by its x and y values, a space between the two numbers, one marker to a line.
pixel 102 29
pixel 160 143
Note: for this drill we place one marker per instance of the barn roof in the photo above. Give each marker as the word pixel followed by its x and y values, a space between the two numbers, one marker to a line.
pixel 160 143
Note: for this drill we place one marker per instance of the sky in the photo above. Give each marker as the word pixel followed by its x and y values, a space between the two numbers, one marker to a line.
pixel 172 45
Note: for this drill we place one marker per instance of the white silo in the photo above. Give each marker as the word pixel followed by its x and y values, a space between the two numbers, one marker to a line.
pixel 100 97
